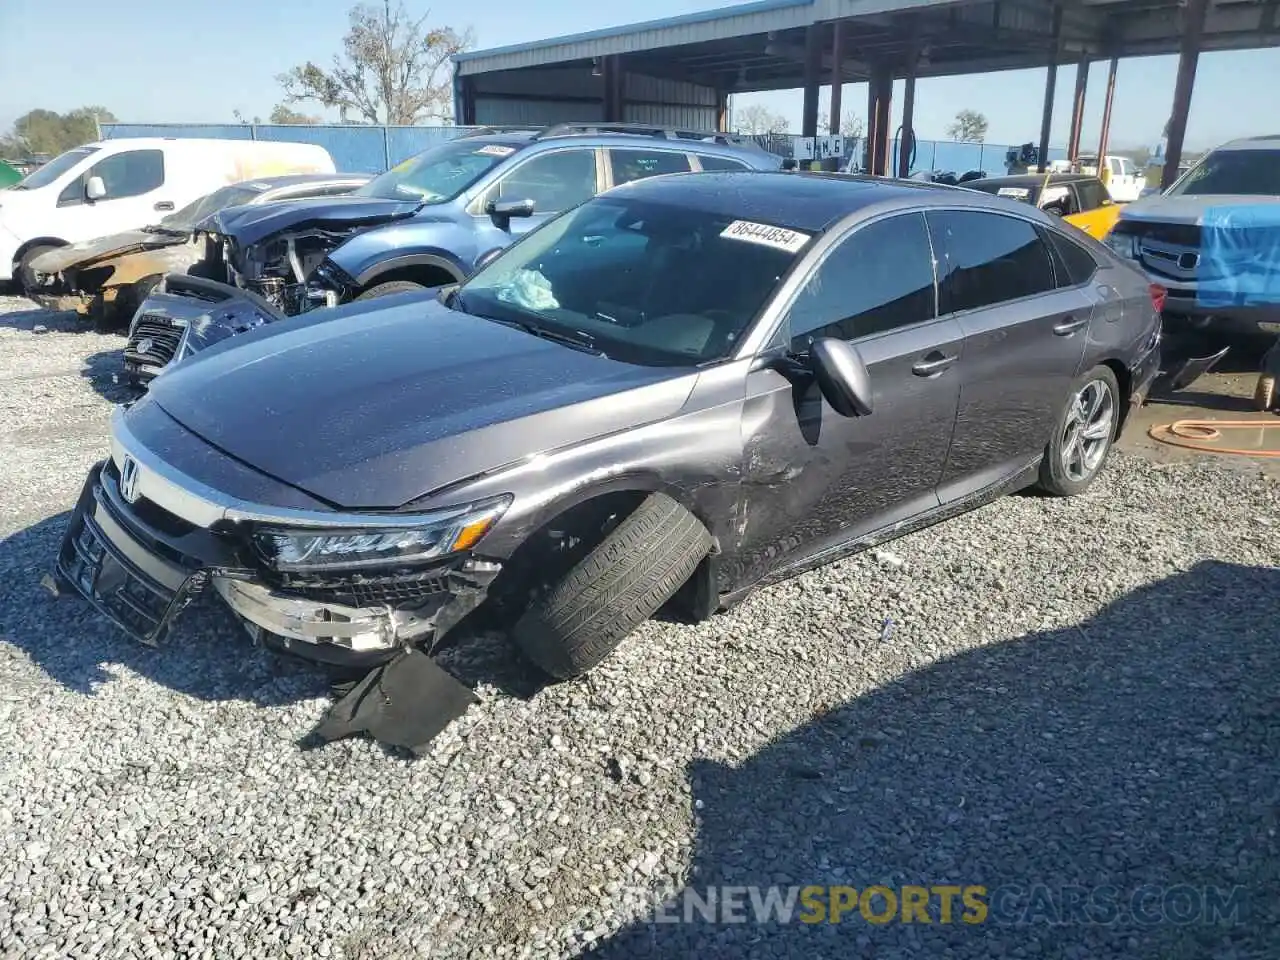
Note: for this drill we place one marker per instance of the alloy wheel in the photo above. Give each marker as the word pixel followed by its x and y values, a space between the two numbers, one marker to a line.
pixel 1088 431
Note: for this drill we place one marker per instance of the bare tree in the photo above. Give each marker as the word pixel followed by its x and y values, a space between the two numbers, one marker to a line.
pixel 850 125
pixel 757 119
pixel 393 69
pixel 969 126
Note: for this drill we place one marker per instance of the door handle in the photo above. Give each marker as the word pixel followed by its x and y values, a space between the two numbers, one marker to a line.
pixel 1067 327
pixel 929 368
pixel 164 205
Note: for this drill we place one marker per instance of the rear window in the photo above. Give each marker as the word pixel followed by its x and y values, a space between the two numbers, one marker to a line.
pixel 628 165
pixel 1072 263
pixel 710 162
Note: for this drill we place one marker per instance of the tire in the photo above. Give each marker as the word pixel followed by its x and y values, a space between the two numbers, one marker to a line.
pixel 390 288
pixel 616 587
pixel 23 275
pixel 1056 477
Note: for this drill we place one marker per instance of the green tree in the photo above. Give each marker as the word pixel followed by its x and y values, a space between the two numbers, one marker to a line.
pixel 282 114
pixel 393 69
pixel 45 131
pixel 969 126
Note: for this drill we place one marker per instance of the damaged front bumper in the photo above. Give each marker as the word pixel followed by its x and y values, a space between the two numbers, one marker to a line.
pixel 140 564
pixel 185 315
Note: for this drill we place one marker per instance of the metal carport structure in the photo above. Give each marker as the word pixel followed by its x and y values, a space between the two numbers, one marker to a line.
pixel 680 71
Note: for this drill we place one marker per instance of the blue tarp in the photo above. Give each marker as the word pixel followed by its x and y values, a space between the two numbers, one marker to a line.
pixel 1239 262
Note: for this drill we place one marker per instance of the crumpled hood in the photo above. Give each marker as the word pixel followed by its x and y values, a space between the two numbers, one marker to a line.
pixel 85 252
pixel 1187 210
pixel 374 410
pixel 251 223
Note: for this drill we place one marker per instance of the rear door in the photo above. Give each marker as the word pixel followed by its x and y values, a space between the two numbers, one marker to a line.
pixel 812 479
pixel 1024 339
pixel 625 164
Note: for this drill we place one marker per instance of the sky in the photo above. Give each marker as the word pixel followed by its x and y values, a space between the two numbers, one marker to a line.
pixel 160 60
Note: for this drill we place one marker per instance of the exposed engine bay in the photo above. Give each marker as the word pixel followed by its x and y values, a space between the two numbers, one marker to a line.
pixel 279 269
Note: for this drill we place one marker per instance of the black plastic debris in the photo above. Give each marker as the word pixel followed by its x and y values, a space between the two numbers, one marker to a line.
pixel 406 703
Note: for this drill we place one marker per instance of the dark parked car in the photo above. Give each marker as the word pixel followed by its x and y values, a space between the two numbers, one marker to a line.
pixel 423 223
pixel 681 390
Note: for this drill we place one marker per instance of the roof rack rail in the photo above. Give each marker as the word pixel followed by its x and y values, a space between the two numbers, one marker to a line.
pixel 489 129
pixel 645 130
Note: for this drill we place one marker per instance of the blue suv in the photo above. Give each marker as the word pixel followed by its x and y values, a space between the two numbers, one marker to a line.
pixel 427 222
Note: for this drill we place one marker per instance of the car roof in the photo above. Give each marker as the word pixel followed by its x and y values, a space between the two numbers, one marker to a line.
pixel 295 179
pixel 800 201
pixel 1031 179
pixel 520 139
pixel 1270 141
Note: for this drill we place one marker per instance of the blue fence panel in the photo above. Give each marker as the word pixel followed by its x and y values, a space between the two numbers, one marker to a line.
pixel 354 148
pixel 366 149
pixel 405 142
pixel 218 131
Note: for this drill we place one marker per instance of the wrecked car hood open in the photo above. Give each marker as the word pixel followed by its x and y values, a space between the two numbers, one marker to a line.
pixel 252 223
pixel 420 396
pixel 115 245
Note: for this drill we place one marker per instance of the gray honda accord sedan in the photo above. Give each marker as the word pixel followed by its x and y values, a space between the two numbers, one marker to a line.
pixel 680 391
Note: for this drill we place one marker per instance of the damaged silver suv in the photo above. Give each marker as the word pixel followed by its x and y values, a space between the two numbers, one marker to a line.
pixel 679 391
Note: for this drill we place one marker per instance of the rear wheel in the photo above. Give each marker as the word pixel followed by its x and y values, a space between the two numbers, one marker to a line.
pixel 622 582
pixel 1083 436
pixel 390 288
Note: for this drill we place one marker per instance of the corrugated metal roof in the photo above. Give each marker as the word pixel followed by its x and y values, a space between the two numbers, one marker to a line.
pixel 739 20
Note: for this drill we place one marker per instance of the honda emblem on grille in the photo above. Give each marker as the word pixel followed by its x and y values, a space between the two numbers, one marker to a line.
pixel 129 479
pixel 145 345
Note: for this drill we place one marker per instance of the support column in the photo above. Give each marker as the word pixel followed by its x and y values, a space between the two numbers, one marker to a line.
pixel 1077 108
pixel 1106 113
pixel 812 69
pixel 879 136
pixel 837 85
pixel 614 94
pixel 908 117
pixel 1188 59
pixel 1050 87
pixel 722 111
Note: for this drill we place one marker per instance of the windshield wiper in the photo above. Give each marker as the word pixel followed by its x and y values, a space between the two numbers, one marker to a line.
pixel 575 341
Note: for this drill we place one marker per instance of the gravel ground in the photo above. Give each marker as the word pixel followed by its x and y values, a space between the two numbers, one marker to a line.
pixel 1057 693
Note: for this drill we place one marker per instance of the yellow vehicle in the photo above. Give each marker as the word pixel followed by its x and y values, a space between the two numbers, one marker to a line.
pixel 1080 199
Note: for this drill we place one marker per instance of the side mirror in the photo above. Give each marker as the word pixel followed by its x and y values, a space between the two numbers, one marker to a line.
pixel 95 189
pixel 485 259
pixel 842 376
pixel 503 211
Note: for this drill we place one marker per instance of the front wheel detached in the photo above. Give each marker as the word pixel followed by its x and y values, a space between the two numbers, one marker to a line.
pixel 621 583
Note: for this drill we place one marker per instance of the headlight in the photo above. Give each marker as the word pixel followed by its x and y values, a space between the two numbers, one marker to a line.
pixel 431 535
pixel 1125 244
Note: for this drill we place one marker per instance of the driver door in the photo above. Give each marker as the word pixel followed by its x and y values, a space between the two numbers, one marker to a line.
pixel 553 180
pixel 813 481
pixel 135 182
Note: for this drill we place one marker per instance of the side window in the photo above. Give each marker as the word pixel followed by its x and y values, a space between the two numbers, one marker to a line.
pixel 73 192
pixel 1072 263
pixel 553 181
pixel 720 163
pixel 628 165
pixel 1092 194
pixel 878 279
pixel 130 174
pixel 990 259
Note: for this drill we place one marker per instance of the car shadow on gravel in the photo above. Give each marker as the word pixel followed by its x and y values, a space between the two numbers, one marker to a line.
pixel 1115 787
pixel 105 372
pixel 208 656
pixel 63 321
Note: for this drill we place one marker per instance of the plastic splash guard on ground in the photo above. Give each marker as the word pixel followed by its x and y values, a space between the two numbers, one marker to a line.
pixel 1239 262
